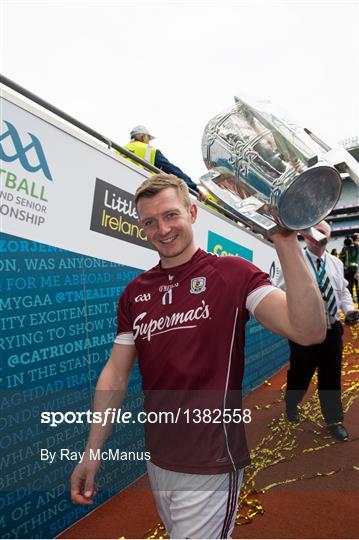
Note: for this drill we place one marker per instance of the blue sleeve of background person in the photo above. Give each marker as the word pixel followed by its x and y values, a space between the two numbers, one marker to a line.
pixel 162 163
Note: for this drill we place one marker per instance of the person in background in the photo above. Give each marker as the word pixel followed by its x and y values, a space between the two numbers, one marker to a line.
pixel 141 147
pixel 356 276
pixel 349 255
pixel 325 356
pixel 334 253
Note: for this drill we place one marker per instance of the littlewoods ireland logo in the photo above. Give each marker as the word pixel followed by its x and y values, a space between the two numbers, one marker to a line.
pixel 21 151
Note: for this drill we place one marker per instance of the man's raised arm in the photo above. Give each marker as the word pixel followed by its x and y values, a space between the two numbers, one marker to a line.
pixel 110 392
pixel 298 314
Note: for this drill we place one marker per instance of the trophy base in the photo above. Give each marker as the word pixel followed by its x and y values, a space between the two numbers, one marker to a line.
pixel 306 201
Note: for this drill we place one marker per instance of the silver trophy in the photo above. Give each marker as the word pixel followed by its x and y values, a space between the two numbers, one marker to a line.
pixel 269 172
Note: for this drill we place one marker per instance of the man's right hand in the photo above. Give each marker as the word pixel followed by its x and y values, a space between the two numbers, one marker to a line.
pixel 83 488
pixel 110 390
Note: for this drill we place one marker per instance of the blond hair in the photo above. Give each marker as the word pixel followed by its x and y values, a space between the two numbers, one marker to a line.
pixel 158 182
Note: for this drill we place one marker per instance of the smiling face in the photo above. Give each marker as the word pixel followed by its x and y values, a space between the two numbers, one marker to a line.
pixel 167 222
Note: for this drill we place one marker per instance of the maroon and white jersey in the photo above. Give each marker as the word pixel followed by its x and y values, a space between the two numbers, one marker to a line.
pixel 188 326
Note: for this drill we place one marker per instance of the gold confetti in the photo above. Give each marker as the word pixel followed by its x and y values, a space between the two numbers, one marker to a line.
pixel 279 445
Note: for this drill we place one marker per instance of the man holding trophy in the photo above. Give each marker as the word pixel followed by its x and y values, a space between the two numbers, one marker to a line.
pixel 184 320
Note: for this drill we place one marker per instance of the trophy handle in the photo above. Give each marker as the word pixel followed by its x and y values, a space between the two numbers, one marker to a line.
pixel 315 236
pixel 247 210
pixel 340 158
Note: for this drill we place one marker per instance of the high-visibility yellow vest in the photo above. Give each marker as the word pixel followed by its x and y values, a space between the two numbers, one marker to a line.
pixel 142 150
pixel 211 198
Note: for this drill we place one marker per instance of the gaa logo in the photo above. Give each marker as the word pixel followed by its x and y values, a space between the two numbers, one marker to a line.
pixel 21 151
pixel 143 297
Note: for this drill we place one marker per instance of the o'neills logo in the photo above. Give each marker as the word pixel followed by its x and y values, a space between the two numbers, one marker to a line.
pixel 114 214
pixel 169 323
pixel 165 288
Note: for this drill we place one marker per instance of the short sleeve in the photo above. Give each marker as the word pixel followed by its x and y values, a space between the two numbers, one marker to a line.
pixel 124 333
pixel 243 278
pixel 255 297
pixel 258 286
pixel 256 279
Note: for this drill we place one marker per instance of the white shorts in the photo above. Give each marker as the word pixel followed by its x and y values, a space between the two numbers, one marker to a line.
pixel 196 505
